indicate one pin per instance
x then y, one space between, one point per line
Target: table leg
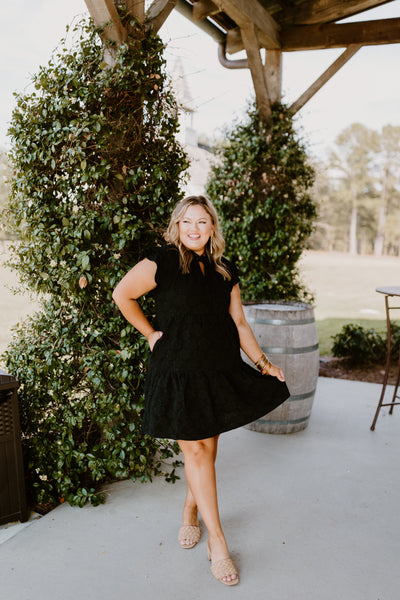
385 378
396 387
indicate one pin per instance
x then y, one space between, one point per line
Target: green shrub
261 188
96 172
395 341
363 346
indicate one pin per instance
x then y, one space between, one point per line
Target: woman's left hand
153 339
274 371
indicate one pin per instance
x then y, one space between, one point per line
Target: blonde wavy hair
215 246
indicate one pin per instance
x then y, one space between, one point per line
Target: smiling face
195 228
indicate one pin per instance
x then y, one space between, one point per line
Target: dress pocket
156 345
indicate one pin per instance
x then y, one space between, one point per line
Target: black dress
197 384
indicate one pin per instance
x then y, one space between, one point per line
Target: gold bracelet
267 365
263 362
260 359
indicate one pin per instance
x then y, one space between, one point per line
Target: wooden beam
158 12
273 74
104 11
329 35
252 47
234 42
186 10
135 8
246 14
313 12
332 35
330 72
203 9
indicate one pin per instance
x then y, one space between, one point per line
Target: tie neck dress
197 385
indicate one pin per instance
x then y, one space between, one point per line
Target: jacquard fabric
197 384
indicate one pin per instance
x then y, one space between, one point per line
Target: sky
365 90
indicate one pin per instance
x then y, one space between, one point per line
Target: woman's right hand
153 338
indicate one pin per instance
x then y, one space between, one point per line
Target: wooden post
136 9
251 45
273 75
104 11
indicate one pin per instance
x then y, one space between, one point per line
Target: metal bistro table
389 292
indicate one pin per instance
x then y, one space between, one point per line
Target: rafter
203 9
320 82
332 35
104 11
247 14
158 12
325 11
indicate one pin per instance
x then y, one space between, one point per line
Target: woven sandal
222 568
189 532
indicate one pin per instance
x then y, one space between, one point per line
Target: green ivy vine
261 187
96 171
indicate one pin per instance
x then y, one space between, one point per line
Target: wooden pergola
275 25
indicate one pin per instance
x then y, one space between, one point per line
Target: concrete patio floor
308 516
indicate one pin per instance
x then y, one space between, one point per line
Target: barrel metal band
287 422
256 321
299 350
302 396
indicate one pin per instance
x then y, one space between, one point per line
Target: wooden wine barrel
287 333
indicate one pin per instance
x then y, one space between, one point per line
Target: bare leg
190 516
200 474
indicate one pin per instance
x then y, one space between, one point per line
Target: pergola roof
276 25
289 25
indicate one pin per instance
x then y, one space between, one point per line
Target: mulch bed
340 368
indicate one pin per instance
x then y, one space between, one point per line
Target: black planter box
12 486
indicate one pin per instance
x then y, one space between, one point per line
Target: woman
197 385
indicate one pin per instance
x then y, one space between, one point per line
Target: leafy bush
362 346
96 172
261 189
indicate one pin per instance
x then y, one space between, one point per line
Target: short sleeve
153 254
231 266
167 260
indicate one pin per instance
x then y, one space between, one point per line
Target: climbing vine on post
261 188
96 172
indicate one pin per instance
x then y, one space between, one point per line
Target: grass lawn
343 286
344 289
13 307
